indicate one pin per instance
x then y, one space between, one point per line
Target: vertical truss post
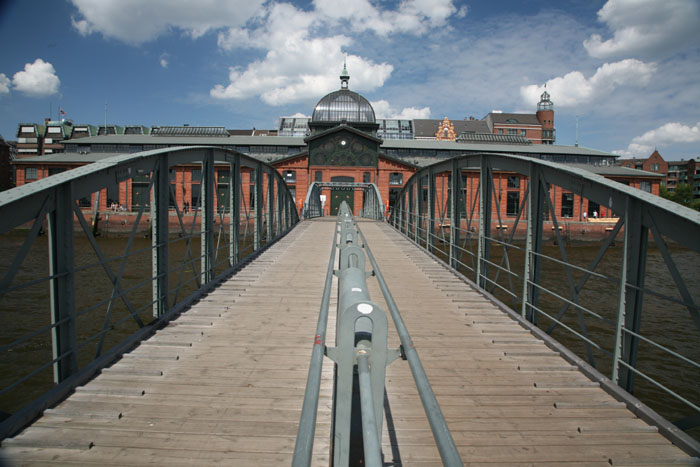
430 227
160 204
483 253
234 200
421 210
270 218
631 294
207 230
258 197
410 220
279 227
456 214
64 336
416 216
533 244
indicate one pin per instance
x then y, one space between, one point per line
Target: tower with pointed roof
545 115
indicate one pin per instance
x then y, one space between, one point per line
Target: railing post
430 227
485 184
64 336
258 196
533 244
631 295
160 206
207 236
456 214
279 226
234 202
416 216
270 218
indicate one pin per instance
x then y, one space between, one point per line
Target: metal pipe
441 433
307 421
370 437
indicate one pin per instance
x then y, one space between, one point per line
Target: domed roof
343 105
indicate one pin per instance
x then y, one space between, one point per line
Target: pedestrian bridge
245 372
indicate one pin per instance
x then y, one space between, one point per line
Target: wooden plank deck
224 383
507 397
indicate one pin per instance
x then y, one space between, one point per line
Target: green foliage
682 195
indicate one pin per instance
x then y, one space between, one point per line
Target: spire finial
344 76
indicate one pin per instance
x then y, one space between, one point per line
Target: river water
27 310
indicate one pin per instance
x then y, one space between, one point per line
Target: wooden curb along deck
224 383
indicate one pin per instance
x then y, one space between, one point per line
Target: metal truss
86 335
454 210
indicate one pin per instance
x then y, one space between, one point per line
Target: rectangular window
290 176
645 186
30 173
318 176
513 203
396 178
366 177
522 132
567 205
513 181
196 175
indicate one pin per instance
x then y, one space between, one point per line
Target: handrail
307 422
441 432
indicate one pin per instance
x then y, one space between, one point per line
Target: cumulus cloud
382 109
136 21
164 59
297 65
668 134
574 89
411 16
37 80
646 28
4 84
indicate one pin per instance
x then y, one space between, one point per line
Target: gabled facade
30 138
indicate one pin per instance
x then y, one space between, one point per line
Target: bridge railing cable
581 259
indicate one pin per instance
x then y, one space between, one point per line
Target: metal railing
455 210
372 206
361 356
102 294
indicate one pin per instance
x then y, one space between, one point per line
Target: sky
624 75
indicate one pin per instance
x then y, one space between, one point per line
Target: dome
343 105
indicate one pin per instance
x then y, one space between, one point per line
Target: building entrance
340 194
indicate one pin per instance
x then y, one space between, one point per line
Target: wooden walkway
224 383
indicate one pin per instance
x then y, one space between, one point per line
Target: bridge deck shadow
224 383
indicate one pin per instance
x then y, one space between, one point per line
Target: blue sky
627 70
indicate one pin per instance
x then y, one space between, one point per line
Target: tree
682 195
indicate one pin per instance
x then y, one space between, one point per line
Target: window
366 177
30 173
223 176
396 178
512 203
513 181
567 205
512 131
290 176
645 186
522 132
318 176
196 175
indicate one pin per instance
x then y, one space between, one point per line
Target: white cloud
4 84
37 80
646 28
665 135
136 21
382 109
574 89
164 59
296 66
